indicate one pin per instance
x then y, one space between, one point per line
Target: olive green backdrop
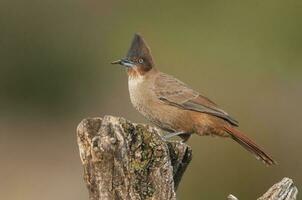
54 71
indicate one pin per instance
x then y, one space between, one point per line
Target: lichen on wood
123 160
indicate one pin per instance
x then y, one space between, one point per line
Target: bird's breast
136 93
142 96
144 99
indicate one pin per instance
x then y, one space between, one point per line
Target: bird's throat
134 72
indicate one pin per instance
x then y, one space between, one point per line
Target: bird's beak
125 62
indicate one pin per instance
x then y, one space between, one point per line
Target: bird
174 107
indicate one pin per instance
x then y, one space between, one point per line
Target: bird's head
138 60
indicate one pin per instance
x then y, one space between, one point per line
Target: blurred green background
55 71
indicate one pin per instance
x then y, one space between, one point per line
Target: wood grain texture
283 190
123 160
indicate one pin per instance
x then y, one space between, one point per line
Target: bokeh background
55 71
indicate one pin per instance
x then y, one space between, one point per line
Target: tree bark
128 161
284 190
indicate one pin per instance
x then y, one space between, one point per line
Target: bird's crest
140 49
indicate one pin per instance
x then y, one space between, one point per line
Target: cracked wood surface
123 160
283 190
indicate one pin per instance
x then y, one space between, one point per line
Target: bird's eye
140 60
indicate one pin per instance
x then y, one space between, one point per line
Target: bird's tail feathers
250 145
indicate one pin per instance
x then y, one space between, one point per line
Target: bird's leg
184 135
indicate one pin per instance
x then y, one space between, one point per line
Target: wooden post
127 161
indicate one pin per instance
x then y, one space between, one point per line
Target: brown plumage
175 107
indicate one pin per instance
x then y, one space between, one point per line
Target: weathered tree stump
284 190
127 161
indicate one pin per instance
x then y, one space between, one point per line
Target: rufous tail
250 145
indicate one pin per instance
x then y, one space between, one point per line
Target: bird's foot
185 136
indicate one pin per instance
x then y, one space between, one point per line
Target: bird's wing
176 93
